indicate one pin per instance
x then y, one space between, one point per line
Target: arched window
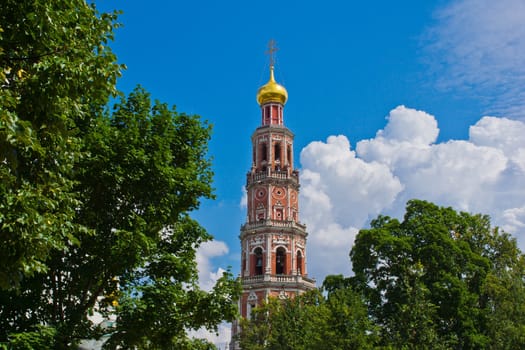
258 261
251 304
277 152
299 263
264 152
266 115
249 310
280 261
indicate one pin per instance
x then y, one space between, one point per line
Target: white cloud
501 133
342 189
454 175
338 193
243 204
221 339
405 141
478 46
207 251
514 219
208 276
352 182
328 249
413 126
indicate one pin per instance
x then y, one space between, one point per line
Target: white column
292 255
269 202
255 146
270 150
288 204
268 253
247 257
248 310
304 260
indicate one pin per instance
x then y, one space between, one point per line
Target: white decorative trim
257 241
284 240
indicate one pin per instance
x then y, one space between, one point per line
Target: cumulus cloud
514 219
410 125
243 204
478 46
339 192
207 251
342 189
221 338
501 133
208 276
449 173
352 181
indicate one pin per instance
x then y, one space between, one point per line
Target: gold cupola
272 91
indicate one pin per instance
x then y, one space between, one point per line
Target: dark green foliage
54 71
437 280
94 206
433 280
42 338
310 321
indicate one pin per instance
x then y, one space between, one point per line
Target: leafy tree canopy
438 279
310 321
94 205
441 279
55 72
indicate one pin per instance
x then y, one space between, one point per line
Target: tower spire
272 48
272 91
273 240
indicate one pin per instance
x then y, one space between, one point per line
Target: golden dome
271 91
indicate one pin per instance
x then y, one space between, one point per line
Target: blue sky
349 68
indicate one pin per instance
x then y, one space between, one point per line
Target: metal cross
272 48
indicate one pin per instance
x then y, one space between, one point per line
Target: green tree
282 324
338 320
94 205
348 325
42 338
440 278
504 288
55 70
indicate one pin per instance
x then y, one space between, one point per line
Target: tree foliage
310 321
439 279
94 205
55 69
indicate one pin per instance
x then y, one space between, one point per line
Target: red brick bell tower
273 241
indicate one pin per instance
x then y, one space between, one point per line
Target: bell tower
273 241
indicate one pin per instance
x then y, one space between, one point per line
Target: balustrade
274 223
272 174
285 279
